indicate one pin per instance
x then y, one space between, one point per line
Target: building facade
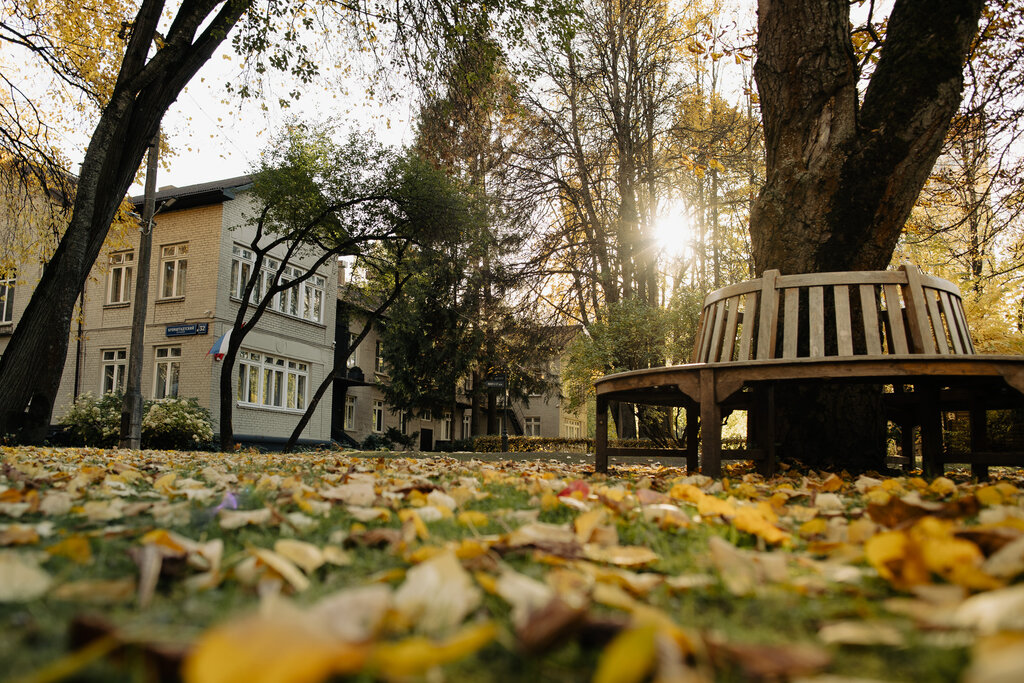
201 259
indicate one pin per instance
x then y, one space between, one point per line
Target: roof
200 194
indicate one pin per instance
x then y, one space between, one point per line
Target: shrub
176 423
95 422
373 442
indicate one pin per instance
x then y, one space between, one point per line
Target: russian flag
220 347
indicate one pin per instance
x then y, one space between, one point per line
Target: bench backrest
819 315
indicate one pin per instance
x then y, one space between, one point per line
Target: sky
213 135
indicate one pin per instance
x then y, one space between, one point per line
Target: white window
168 370
351 362
467 423
378 359
119 280
271 381
350 412
173 269
378 416
304 300
403 421
115 362
425 416
532 426
573 429
446 427
241 268
7 282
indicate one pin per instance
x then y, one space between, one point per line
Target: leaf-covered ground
155 565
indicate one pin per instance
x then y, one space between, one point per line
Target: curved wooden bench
896 327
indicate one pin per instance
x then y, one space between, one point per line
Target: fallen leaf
860 633
21 578
307 556
417 655
236 519
437 594
628 658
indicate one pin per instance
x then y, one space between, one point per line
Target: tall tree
843 171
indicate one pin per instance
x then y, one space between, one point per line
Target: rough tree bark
843 174
33 362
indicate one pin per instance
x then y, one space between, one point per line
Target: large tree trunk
33 362
842 176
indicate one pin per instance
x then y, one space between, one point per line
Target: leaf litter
296 568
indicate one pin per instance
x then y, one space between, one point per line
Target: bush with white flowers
95 421
176 423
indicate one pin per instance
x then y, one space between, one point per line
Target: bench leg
710 427
692 431
601 437
979 441
764 428
907 444
931 433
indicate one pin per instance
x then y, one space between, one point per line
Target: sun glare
673 230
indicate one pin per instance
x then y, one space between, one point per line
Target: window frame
378 358
303 301
8 284
531 426
122 267
377 417
272 382
119 363
350 412
177 256
172 361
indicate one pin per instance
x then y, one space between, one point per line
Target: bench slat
958 312
951 322
869 309
705 336
749 314
766 334
895 314
816 321
917 315
790 322
936 320
873 277
844 337
716 337
729 341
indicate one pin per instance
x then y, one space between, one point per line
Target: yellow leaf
409 516
816 527
943 486
897 559
753 522
709 506
629 657
417 655
473 518
163 483
307 556
283 566
988 495
265 650
587 522
75 548
622 555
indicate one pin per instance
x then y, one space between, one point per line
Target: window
119 281
303 300
168 369
573 429
403 421
7 297
241 268
446 427
532 426
115 362
425 416
351 362
467 424
271 381
378 416
378 360
350 412
173 269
